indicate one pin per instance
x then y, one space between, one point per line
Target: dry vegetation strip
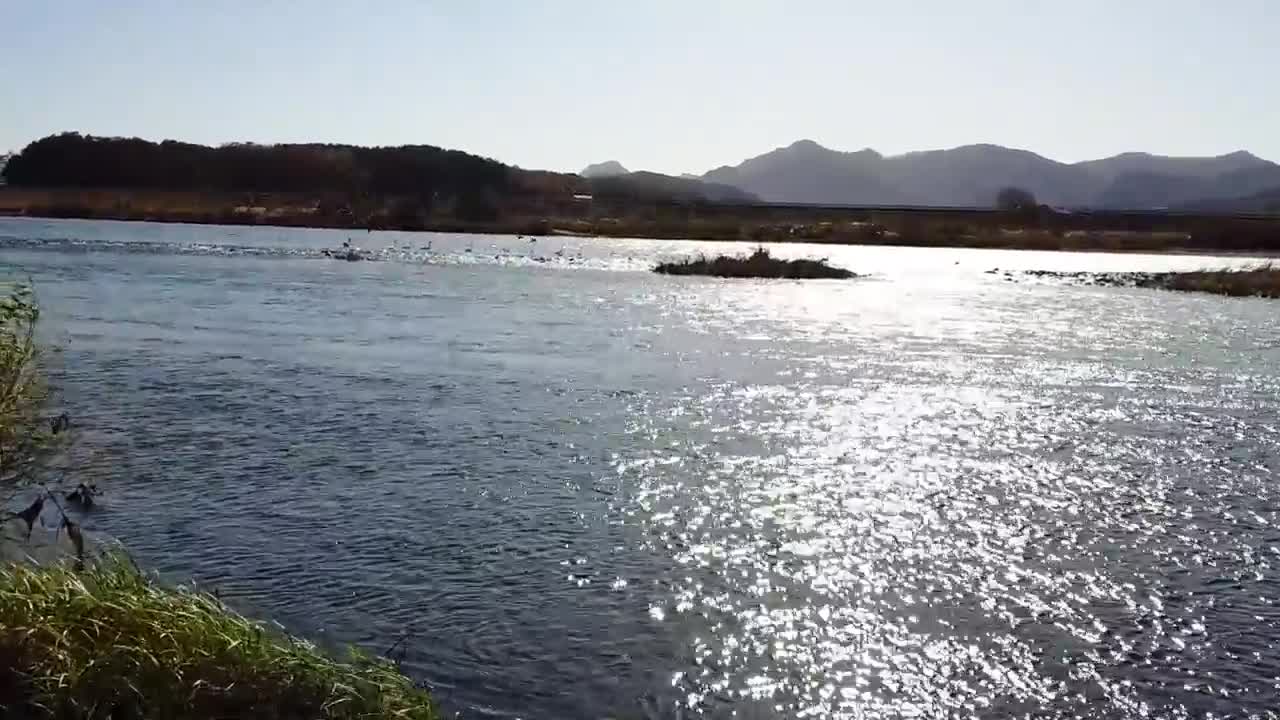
1261 281
1258 281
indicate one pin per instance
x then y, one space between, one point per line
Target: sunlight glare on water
584 490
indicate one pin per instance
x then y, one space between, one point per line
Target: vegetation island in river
759 264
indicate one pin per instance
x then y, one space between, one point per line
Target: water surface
582 490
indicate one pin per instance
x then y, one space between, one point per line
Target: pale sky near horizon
666 85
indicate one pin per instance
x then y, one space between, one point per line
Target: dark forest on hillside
75 160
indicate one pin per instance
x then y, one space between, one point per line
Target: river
576 489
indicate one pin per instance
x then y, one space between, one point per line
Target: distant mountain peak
801 148
1239 157
814 147
608 168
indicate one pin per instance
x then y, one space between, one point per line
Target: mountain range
971 176
612 177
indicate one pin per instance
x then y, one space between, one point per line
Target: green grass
25 437
759 264
107 643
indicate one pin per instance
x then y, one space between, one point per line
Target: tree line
72 160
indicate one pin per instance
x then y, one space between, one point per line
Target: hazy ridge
971 175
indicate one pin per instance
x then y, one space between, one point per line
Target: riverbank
1259 281
87 635
921 227
105 641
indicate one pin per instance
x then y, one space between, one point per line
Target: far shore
1192 235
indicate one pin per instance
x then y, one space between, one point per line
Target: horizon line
578 171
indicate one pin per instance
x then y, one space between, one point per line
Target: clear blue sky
667 85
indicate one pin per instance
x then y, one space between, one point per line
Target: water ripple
607 493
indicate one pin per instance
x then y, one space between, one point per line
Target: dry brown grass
906 227
1259 281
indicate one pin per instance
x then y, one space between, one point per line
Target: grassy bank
260 209
83 640
107 643
759 264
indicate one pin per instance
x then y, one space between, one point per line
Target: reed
106 642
